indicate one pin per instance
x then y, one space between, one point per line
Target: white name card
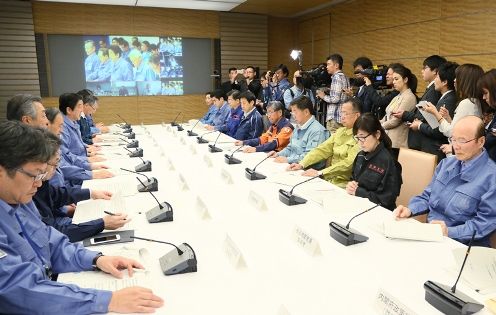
143 125
174 132
202 209
163 124
168 128
169 163
305 241
192 148
283 310
387 304
181 139
225 175
257 201
233 253
207 160
184 184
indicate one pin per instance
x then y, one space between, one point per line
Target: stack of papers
412 229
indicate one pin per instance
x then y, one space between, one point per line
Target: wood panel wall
83 19
404 31
282 39
18 64
243 43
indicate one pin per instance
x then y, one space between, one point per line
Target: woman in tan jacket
405 83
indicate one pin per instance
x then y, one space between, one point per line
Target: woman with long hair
487 84
405 82
376 174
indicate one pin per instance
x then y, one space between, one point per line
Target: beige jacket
395 128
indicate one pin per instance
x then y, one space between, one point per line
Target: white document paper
480 269
126 185
412 229
431 119
94 209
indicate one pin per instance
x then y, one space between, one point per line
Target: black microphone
131 144
213 148
347 236
136 153
126 125
180 260
179 126
145 167
151 184
289 199
161 213
201 140
252 175
229 159
130 135
190 132
446 299
173 123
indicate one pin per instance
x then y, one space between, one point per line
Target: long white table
215 210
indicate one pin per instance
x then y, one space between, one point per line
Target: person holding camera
295 91
336 96
363 94
277 83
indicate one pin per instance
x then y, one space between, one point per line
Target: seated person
251 124
212 109
223 110
308 135
462 193
32 251
49 199
84 125
277 136
376 174
340 149
231 125
99 127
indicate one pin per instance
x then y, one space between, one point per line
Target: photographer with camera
277 83
300 87
336 96
363 94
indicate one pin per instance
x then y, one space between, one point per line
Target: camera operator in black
379 103
376 174
365 95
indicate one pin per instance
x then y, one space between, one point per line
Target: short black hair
283 68
302 102
22 105
68 100
208 93
116 49
364 62
248 95
21 144
356 104
434 62
336 58
447 72
218 94
232 69
52 113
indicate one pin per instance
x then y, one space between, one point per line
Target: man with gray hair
276 137
27 109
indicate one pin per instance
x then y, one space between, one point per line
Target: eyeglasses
269 113
361 139
35 178
460 141
54 164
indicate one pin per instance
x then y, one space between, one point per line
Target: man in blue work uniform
104 70
251 124
31 252
122 70
462 193
223 110
92 62
232 123
212 109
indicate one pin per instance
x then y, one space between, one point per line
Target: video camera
319 75
376 74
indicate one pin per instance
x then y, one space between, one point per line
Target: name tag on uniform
2 254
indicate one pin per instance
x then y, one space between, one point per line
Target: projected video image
119 65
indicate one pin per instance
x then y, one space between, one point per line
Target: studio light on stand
297 55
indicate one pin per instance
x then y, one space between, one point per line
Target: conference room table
258 256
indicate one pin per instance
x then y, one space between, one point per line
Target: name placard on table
233 253
257 201
202 209
305 241
387 304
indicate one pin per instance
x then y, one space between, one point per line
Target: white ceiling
214 5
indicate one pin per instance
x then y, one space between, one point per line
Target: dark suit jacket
414 137
226 87
379 103
255 87
432 139
490 144
367 97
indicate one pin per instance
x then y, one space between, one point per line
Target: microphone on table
252 175
213 148
126 125
201 140
173 123
145 167
130 135
229 159
180 260
446 299
289 199
131 144
136 153
347 236
179 126
190 132
151 184
161 213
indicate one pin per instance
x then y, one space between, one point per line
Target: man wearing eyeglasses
31 252
462 193
89 102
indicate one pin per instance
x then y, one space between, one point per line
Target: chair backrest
417 170
492 240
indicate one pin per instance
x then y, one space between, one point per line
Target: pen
108 212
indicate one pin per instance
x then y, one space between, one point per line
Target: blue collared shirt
73 148
103 72
220 117
85 129
94 129
304 139
24 285
232 122
209 116
250 126
91 65
276 92
70 175
121 70
462 197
